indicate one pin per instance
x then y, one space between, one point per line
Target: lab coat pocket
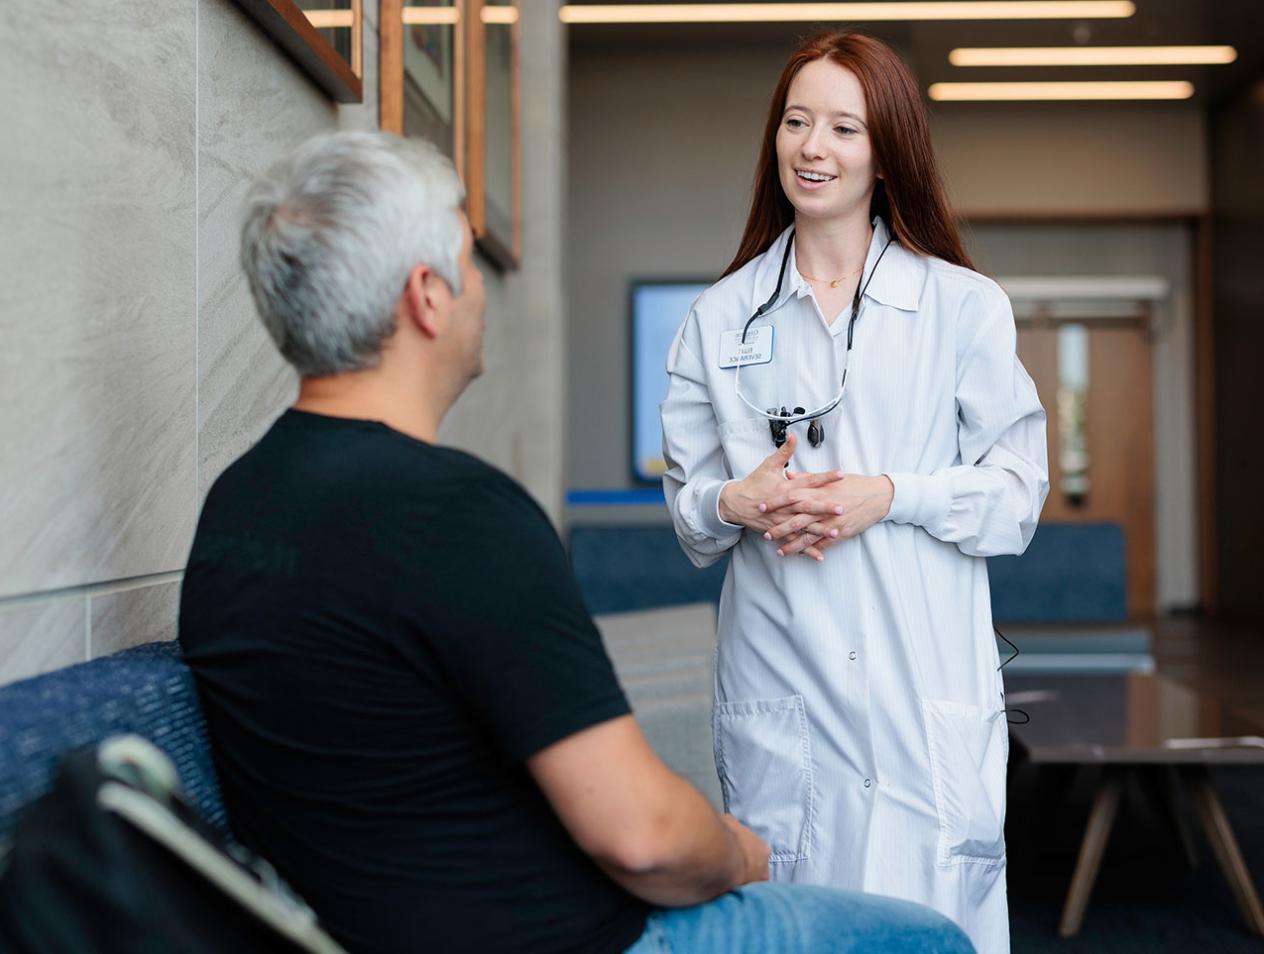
967 762
746 442
763 755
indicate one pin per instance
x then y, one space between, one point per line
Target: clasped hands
805 513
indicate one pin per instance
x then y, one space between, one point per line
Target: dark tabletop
1139 717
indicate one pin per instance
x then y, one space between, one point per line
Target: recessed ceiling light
1093 56
807 12
978 92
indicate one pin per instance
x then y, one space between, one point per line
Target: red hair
909 196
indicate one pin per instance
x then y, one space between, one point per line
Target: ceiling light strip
981 92
624 13
1093 56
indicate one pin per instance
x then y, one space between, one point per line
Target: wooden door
1117 438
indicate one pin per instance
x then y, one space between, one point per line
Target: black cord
1022 712
861 288
785 420
1008 643
781 277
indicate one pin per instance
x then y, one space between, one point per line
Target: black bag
112 860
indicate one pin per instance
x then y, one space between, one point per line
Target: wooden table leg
1101 819
1225 847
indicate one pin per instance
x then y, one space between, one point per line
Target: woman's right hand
740 499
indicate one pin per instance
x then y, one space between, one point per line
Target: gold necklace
833 282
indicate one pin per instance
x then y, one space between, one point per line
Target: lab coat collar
796 284
897 282
899 278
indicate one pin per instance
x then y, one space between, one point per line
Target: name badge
756 350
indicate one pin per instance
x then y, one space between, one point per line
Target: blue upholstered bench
1071 573
147 690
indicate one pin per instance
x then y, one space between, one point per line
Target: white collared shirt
891 635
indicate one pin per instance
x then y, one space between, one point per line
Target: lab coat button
851 655
868 783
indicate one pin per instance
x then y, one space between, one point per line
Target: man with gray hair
410 710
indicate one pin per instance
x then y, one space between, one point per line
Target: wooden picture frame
296 32
466 99
421 70
493 169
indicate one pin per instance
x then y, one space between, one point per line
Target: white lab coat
859 724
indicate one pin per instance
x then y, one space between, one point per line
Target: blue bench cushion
621 569
147 690
1070 573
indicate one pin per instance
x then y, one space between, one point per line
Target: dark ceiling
926 44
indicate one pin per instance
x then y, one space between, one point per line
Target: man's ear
419 301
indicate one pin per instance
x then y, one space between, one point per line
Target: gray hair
331 234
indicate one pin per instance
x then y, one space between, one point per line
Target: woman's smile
812 179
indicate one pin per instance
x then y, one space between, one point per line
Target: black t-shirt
381 631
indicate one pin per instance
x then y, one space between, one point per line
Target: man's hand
740 500
810 520
644 825
755 851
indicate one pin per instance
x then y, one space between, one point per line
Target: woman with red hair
847 415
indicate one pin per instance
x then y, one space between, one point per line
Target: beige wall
662 147
1131 159
133 369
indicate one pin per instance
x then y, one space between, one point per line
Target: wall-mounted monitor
658 309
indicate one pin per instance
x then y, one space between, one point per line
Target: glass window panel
1073 461
430 71
499 129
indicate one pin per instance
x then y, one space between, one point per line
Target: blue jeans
800 919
